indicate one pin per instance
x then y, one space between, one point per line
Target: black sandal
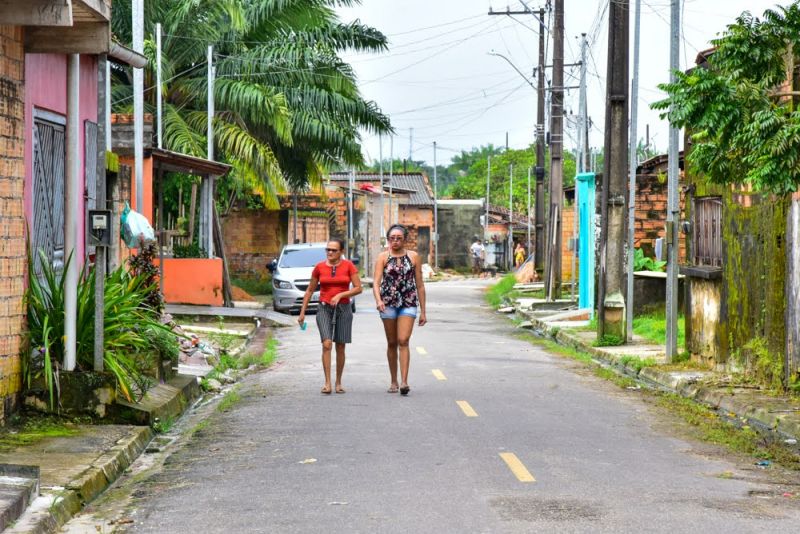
404 390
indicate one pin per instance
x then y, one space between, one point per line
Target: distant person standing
334 276
400 298
519 255
478 254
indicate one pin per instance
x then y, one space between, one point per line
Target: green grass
165 425
653 327
231 399
254 286
713 429
503 288
226 361
637 364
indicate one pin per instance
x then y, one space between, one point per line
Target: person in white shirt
478 254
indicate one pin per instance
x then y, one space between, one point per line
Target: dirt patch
240 294
533 509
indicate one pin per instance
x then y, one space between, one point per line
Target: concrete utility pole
100 203
488 180
435 214
72 191
541 240
159 112
137 27
611 316
583 132
380 167
528 250
510 216
553 267
672 196
633 164
210 151
391 177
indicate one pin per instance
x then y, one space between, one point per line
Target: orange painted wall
193 281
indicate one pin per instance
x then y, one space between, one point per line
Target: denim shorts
393 312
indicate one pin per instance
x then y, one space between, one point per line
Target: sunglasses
331 250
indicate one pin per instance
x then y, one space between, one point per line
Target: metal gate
49 154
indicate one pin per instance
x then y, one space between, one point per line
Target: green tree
744 125
472 184
287 106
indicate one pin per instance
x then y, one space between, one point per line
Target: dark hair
397 227
337 240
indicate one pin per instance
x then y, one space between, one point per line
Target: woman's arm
420 288
377 278
312 286
352 292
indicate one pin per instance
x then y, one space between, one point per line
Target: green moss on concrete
32 430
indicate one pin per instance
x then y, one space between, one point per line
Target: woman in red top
335 315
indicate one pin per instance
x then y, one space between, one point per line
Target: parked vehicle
291 274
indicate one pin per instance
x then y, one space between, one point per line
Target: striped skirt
335 323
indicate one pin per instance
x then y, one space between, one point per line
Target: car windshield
304 257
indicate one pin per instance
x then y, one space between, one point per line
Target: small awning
168 161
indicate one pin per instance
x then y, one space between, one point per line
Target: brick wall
252 239
12 225
651 214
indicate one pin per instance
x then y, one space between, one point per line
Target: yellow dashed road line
438 374
516 466
421 350
467 409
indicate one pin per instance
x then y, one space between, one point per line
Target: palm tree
287 106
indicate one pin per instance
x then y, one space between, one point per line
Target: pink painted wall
46 89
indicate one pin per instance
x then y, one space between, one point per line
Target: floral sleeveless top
399 286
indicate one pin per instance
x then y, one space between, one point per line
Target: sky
439 77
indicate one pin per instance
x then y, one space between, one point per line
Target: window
707 232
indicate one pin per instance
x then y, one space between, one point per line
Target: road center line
517 467
421 350
467 409
438 374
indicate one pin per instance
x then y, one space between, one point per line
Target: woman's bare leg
405 325
327 345
390 327
339 366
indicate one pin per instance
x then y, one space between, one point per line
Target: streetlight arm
493 53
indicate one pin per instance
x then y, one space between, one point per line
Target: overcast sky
439 78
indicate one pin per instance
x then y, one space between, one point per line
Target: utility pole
435 214
137 27
510 216
528 250
391 177
488 180
553 267
380 156
583 133
611 302
672 196
541 240
209 183
159 112
410 144
633 164
541 232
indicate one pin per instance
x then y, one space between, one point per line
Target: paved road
551 448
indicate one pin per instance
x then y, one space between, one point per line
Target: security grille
48 193
707 245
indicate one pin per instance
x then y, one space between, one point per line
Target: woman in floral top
400 296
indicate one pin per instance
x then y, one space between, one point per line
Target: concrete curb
56 506
686 385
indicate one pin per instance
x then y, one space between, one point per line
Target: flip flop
325 390
404 390
392 389
340 389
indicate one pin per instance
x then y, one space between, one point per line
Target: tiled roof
412 181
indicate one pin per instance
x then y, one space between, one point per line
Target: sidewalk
777 414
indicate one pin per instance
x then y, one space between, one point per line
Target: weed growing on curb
231 399
163 426
496 293
637 364
608 340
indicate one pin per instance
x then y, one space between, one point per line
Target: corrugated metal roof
412 181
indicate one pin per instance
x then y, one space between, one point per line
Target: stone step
162 402
19 486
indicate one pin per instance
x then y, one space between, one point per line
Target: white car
291 274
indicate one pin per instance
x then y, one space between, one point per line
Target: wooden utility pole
611 302
553 267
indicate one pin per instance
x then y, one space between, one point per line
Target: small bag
136 229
